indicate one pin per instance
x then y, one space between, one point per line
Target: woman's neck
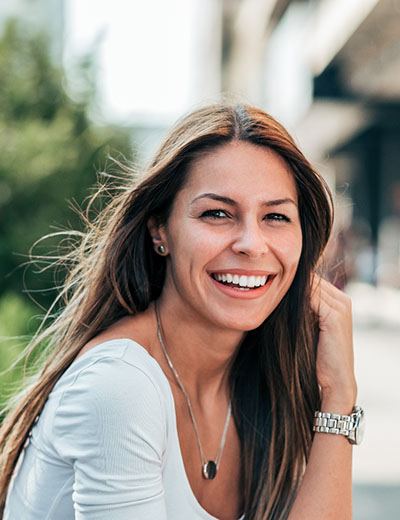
201 354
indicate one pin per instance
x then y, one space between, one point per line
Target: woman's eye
278 217
214 213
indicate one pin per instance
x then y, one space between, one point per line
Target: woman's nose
250 240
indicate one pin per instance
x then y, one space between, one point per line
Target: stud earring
161 249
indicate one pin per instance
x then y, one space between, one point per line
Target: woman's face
233 237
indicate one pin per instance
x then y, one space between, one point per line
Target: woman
195 346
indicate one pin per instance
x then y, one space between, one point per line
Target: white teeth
258 281
243 280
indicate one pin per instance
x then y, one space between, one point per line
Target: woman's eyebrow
231 202
214 196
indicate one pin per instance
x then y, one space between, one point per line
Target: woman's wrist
339 400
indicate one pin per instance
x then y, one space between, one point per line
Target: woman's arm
325 491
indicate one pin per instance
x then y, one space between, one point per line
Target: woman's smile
246 287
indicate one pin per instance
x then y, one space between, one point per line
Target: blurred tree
50 152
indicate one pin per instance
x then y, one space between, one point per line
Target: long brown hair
115 272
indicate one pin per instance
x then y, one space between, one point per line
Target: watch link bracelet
351 426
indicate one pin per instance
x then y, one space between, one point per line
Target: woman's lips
243 293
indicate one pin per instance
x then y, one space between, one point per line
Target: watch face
360 426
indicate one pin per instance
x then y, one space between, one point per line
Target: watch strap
327 422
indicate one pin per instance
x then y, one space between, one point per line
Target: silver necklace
209 467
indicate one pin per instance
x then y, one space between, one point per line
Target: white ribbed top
105 446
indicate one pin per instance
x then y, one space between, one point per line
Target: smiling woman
195 347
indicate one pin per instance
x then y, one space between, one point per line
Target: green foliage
15 327
50 152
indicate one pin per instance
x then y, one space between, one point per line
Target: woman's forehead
241 168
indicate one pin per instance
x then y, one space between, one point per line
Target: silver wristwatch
351 426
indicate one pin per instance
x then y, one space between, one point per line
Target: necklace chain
181 386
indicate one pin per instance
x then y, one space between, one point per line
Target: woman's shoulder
117 361
115 385
124 342
133 328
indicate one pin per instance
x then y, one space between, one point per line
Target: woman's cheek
289 247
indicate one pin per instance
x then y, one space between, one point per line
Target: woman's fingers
335 349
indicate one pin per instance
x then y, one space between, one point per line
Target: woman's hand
335 359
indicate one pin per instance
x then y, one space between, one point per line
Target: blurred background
84 80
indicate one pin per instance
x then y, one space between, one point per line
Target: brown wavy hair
113 271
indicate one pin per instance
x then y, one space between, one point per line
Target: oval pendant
209 469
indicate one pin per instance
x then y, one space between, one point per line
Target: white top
105 445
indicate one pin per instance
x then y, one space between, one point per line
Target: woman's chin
240 324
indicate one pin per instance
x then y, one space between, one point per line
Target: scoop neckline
195 503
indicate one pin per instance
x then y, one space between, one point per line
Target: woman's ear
158 236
